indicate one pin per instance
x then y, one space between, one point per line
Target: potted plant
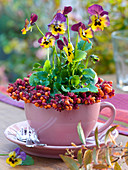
65 91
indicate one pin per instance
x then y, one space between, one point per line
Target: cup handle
109 121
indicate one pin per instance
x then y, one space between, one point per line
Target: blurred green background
19 52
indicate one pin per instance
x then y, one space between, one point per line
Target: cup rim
116 36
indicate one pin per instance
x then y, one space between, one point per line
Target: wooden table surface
10 115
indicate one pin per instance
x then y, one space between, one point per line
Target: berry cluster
40 95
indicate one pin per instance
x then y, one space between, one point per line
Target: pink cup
60 128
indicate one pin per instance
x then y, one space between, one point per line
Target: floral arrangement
18 157
65 81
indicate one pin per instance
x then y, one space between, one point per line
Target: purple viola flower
47 41
98 18
75 27
60 44
84 32
33 18
16 157
58 25
28 24
67 47
67 9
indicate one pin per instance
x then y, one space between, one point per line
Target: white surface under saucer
51 151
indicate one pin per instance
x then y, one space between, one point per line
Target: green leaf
32 79
95 155
80 90
36 65
108 161
81 133
64 89
92 88
87 157
89 71
88 45
79 156
117 166
70 162
75 80
96 137
28 161
47 66
79 55
107 133
44 83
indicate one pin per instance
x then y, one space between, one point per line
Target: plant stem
58 60
76 43
53 62
48 54
60 57
3 154
68 30
83 46
39 29
87 60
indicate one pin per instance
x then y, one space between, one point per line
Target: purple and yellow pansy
28 24
58 25
84 32
67 47
98 18
48 40
16 157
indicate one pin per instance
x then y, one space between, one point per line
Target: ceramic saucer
51 151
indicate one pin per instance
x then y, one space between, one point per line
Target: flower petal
22 155
104 13
60 17
75 27
95 9
17 151
33 18
40 40
65 41
60 44
67 9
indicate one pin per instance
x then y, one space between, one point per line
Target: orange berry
67 107
46 94
41 98
28 101
67 102
24 98
45 106
54 105
105 97
38 94
48 106
46 88
70 107
86 102
78 100
43 101
97 101
36 104
10 90
71 100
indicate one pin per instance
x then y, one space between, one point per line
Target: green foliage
99 157
28 161
87 46
81 133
